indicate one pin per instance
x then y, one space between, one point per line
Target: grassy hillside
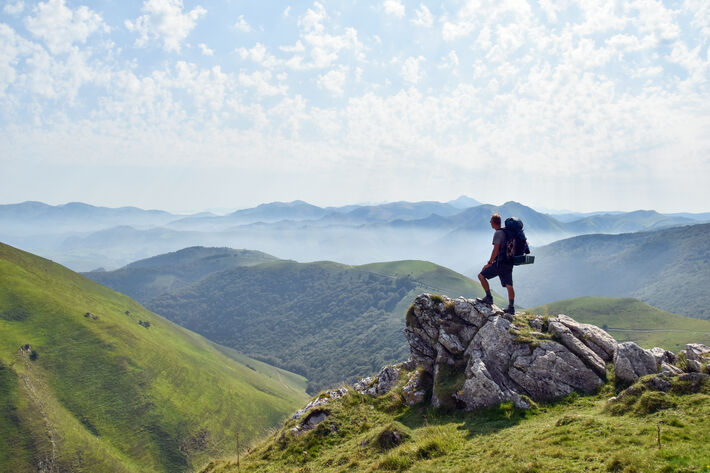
151 277
327 321
633 320
580 433
105 385
669 269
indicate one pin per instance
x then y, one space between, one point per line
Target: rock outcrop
469 355
478 356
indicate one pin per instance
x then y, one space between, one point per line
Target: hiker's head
495 221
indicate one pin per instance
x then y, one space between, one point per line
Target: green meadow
105 385
576 434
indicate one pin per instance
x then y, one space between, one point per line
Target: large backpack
515 245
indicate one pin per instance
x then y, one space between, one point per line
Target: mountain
145 279
665 268
91 381
37 217
484 391
385 213
629 319
464 202
626 222
326 321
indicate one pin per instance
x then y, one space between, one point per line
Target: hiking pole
238 469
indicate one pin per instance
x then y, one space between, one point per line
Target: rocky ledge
468 355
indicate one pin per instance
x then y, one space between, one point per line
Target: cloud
261 82
334 80
410 69
424 17
165 21
60 27
394 7
258 54
450 61
286 12
205 50
14 8
242 25
317 48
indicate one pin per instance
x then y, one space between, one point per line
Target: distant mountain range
669 269
92 381
86 237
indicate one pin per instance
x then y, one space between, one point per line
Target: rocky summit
469 355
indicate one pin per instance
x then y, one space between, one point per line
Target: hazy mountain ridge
433 231
665 268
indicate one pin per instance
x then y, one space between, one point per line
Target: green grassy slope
327 321
104 393
150 277
669 269
578 434
633 320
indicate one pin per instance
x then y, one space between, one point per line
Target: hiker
497 267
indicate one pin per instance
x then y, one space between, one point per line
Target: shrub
653 401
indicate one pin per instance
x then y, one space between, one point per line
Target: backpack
515 245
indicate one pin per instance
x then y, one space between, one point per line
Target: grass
632 320
107 394
576 434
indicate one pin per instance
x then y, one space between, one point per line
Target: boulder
697 357
663 356
592 336
632 362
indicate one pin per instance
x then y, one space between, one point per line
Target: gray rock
415 390
321 400
595 338
668 369
697 357
387 379
479 390
572 343
552 371
632 362
663 356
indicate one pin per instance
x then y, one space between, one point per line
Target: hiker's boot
485 300
510 310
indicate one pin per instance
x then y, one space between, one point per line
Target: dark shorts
504 272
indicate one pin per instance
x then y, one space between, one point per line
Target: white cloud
165 21
424 17
394 7
450 61
12 48
410 69
60 27
261 82
323 48
14 8
258 54
334 80
205 50
287 11
242 25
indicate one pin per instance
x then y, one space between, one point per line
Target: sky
191 105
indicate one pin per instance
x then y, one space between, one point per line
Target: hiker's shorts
504 272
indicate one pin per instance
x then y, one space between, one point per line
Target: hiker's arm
494 255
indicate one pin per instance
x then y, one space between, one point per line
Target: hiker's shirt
499 239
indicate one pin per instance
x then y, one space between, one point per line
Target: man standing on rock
496 267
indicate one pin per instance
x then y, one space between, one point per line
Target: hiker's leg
511 292
484 282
